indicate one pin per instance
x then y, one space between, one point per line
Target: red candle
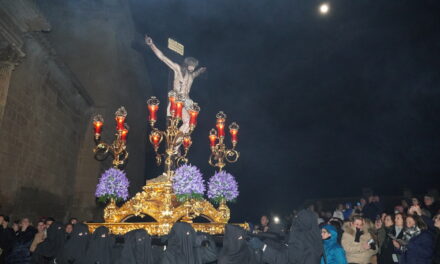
187 142
98 127
212 137
221 129
179 107
153 110
120 116
120 122
124 134
193 117
172 99
155 139
233 130
98 123
221 119
153 106
193 114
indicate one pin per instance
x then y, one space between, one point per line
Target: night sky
326 104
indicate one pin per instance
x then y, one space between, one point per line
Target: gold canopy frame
158 201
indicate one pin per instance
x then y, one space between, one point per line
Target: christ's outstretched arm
199 71
174 66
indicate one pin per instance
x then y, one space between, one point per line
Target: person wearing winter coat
417 246
436 257
20 253
357 241
333 252
390 230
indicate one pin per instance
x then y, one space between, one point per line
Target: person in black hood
235 248
51 248
181 247
100 247
207 248
304 245
74 251
137 248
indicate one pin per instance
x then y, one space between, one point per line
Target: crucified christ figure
184 76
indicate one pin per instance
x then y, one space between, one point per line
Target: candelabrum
220 154
178 132
117 149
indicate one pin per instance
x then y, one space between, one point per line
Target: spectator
358 208
417 246
383 216
357 241
373 209
362 203
264 224
348 211
49 221
338 213
386 247
436 258
16 227
379 231
336 223
333 252
399 225
415 201
398 209
378 204
7 237
431 205
68 229
20 250
39 236
73 221
405 204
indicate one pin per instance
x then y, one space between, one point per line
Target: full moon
324 8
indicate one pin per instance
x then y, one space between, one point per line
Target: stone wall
54 83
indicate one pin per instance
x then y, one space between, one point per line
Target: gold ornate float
157 199
159 202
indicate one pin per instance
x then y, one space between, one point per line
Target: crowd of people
362 234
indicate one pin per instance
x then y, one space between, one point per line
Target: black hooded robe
75 248
52 246
304 245
100 247
207 248
137 248
181 247
235 249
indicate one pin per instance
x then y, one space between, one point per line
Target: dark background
326 104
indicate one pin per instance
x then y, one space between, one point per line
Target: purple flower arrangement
112 184
188 183
222 186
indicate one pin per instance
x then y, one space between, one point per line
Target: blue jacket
333 252
420 249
